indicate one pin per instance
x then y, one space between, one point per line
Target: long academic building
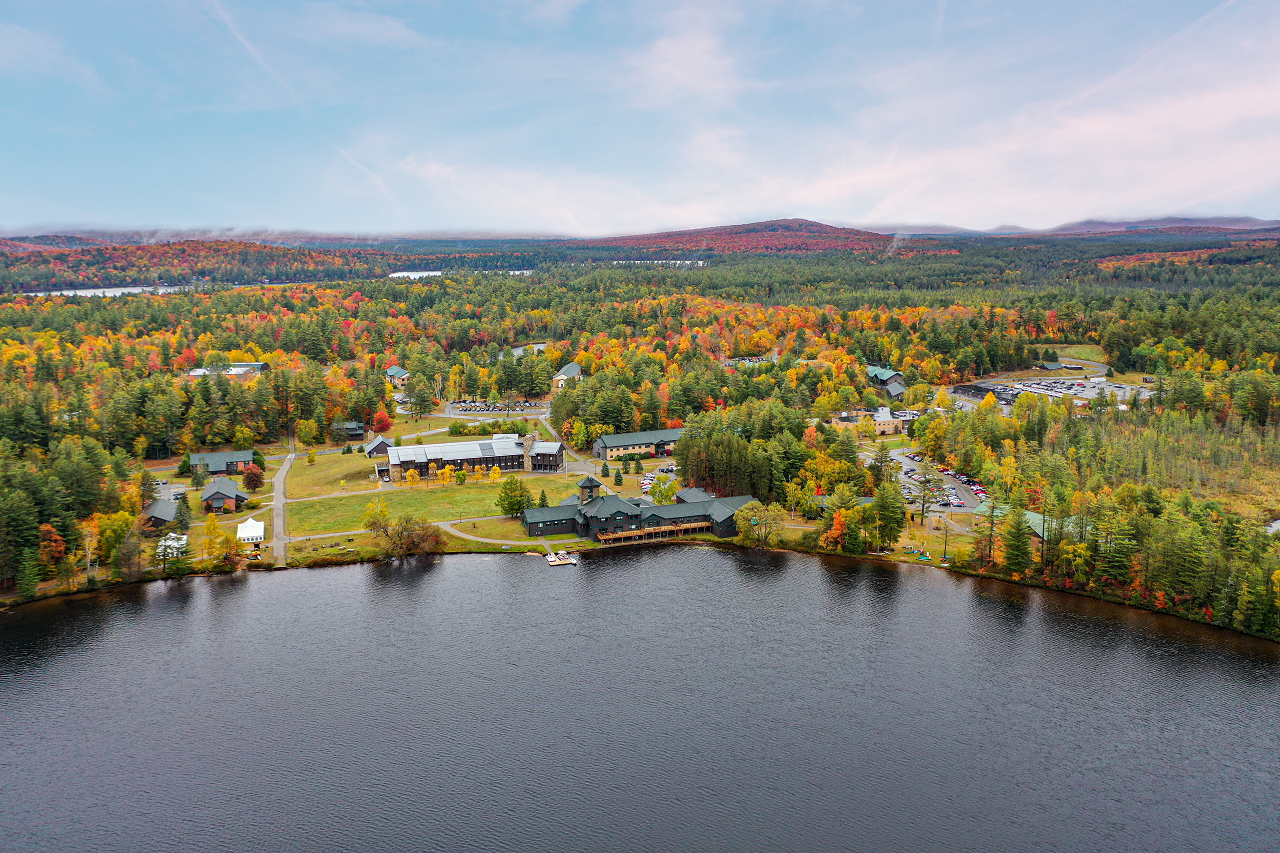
653 442
508 452
612 520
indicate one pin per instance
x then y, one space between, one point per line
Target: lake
673 698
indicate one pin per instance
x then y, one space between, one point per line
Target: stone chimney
528 451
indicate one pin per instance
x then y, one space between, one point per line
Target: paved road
279 541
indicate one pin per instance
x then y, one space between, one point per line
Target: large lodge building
508 452
612 520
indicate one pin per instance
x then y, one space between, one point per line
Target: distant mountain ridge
775 235
1224 223
1168 225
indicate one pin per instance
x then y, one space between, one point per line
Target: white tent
250 530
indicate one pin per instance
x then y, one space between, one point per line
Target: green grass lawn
444 438
406 424
496 528
895 442
363 547
932 543
434 503
1089 352
275 448
334 472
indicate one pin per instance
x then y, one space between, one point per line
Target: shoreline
334 561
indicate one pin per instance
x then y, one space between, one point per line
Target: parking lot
646 482
480 407
957 492
1082 388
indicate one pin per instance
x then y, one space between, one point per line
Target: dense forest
186 262
1161 502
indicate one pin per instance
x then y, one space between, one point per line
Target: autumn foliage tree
252 477
833 539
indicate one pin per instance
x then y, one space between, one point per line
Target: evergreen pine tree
148 487
604 469
1017 543
617 478
181 564
28 580
846 448
184 465
542 498
182 517
890 513
883 462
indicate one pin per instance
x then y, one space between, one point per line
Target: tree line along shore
772 366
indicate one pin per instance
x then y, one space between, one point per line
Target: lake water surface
659 699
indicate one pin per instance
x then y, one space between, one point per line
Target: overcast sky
580 117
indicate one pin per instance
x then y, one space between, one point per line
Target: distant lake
107 291
425 273
161 288
668 699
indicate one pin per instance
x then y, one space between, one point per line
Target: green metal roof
651 436
883 374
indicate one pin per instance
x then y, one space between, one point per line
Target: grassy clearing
894 443
1088 352
406 424
357 549
931 541
496 528
458 545
630 487
434 503
507 528
1131 379
275 448
443 438
1045 374
332 473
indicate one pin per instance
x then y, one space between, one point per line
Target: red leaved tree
253 478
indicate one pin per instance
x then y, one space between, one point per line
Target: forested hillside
183 263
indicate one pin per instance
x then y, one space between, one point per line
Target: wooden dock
650 534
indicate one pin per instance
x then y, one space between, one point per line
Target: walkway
279 541
448 527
